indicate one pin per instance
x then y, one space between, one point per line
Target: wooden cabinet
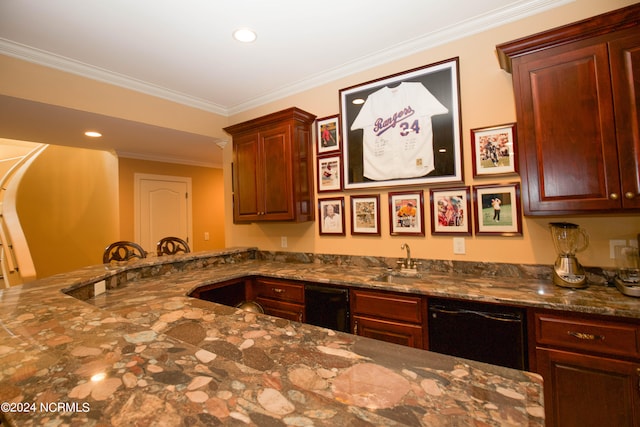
281 298
591 369
230 292
391 317
273 168
577 91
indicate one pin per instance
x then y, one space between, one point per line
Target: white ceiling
182 50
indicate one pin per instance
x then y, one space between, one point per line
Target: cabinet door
389 331
247 204
585 391
625 71
566 128
284 310
277 178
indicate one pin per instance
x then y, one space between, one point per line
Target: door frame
137 178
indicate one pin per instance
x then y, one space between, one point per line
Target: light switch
458 246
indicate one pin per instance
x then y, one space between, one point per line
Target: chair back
123 251
171 246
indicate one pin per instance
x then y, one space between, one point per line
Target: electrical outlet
206 235
612 247
99 288
459 246
283 241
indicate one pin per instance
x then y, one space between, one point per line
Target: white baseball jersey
397 132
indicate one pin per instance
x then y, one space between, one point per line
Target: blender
568 239
628 270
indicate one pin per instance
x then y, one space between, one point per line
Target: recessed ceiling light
358 101
245 35
93 134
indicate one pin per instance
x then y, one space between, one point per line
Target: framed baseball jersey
403 129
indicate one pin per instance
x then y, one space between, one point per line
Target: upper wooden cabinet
273 167
577 91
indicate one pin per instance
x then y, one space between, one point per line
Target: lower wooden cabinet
591 369
390 317
281 298
583 390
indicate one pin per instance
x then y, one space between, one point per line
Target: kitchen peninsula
144 353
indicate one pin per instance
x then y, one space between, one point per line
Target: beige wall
486 99
68 207
207 199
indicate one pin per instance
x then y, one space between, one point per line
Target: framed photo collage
404 130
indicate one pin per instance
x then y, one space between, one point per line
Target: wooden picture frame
494 150
331 216
328 134
403 129
502 218
406 213
329 174
365 215
450 211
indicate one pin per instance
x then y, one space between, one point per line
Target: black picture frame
427 92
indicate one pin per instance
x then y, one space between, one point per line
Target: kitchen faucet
408 263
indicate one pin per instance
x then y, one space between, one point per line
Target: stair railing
16 261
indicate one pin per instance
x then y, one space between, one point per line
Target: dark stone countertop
144 353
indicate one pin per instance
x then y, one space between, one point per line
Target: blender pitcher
568 240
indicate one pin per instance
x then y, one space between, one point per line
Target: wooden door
247 186
275 143
625 70
163 208
389 331
589 391
566 128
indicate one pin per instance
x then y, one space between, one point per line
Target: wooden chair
171 246
123 251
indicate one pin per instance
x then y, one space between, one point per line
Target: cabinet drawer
389 306
615 338
279 290
284 310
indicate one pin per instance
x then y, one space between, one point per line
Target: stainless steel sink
398 278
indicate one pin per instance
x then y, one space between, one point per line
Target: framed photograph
497 210
494 150
403 129
365 215
450 211
406 213
328 134
329 174
331 214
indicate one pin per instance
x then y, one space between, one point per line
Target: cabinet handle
629 195
300 317
355 327
585 336
614 196
278 290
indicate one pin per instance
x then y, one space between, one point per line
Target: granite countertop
146 354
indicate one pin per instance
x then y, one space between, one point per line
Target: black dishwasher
488 333
327 306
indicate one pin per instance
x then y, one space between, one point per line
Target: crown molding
470 27
58 62
163 159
